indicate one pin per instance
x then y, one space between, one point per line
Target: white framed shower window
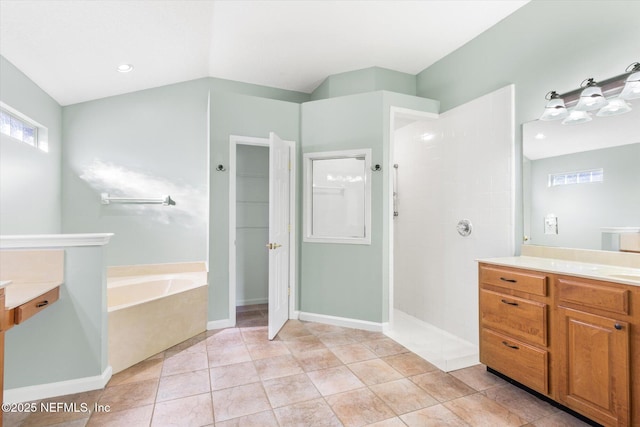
337 197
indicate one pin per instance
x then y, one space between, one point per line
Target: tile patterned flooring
311 375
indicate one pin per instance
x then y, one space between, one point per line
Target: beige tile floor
311 375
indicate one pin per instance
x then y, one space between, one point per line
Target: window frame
308 159
596 172
40 133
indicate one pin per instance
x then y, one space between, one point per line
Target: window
579 177
18 127
337 197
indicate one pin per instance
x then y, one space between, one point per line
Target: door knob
272 246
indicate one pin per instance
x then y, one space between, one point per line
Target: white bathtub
152 309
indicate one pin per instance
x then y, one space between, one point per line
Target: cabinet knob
618 326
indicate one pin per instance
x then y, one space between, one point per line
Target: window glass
19 129
579 177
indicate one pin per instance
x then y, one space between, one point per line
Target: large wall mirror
337 197
581 183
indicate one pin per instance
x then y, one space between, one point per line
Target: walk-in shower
453 203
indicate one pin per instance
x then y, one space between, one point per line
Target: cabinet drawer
28 309
515 359
517 317
519 280
613 299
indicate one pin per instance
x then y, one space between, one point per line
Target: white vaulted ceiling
71 48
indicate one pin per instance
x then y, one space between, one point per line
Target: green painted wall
69 339
222 85
543 46
142 144
345 280
29 178
159 137
236 114
340 279
363 81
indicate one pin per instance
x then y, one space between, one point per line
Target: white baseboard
61 388
243 302
294 315
341 321
219 324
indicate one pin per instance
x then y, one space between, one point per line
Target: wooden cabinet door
594 366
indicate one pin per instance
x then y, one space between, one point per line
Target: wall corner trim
60 388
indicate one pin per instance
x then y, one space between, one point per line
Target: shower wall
459 166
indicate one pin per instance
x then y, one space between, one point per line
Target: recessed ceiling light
125 68
540 135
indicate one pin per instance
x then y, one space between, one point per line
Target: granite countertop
609 273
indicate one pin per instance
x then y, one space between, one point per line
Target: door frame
234 141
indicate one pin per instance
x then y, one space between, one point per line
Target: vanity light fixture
631 88
591 98
614 107
555 108
608 97
576 117
125 68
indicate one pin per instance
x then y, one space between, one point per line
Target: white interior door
278 246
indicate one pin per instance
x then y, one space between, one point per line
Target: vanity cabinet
514 325
572 339
593 349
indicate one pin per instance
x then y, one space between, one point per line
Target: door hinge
289 291
289 228
289 164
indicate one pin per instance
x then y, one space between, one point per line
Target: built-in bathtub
152 308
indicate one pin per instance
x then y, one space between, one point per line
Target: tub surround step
155 269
